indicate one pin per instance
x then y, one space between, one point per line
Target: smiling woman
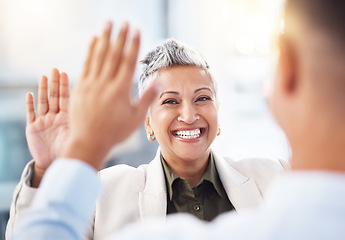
184 120
186 175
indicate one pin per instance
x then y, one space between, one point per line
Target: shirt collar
210 175
170 177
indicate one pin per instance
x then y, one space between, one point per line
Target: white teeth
188 134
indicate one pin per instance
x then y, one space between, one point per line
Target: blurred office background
236 37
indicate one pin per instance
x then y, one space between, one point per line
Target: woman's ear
148 124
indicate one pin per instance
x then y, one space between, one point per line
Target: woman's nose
188 114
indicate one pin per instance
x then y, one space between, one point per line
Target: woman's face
184 116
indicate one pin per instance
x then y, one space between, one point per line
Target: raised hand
47 133
103 113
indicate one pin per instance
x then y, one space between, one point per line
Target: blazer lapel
153 199
242 191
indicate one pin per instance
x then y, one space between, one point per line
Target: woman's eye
170 101
203 98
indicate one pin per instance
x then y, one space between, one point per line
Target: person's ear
148 124
287 66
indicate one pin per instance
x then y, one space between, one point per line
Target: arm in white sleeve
22 198
64 203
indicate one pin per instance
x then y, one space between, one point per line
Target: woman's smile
189 134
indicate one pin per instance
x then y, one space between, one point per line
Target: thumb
146 99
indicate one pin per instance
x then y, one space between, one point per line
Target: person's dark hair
324 43
326 14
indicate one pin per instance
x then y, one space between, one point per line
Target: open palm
103 113
47 133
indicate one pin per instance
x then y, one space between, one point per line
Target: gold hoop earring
218 132
151 137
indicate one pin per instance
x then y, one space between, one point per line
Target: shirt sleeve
64 203
21 198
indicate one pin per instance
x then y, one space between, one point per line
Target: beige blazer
138 194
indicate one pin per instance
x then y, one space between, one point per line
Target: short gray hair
170 53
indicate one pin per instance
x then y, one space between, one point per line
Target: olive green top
206 200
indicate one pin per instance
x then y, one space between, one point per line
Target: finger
42 106
54 91
30 109
145 101
64 92
111 63
86 68
127 67
101 50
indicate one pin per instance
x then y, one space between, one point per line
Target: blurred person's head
184 116
308 99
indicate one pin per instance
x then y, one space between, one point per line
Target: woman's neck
191 170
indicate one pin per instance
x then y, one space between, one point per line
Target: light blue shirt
301 206
63 204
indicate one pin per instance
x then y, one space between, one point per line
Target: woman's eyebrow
177 93
169 92
203 88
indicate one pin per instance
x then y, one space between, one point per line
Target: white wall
37 35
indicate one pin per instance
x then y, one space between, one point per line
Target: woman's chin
192 154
